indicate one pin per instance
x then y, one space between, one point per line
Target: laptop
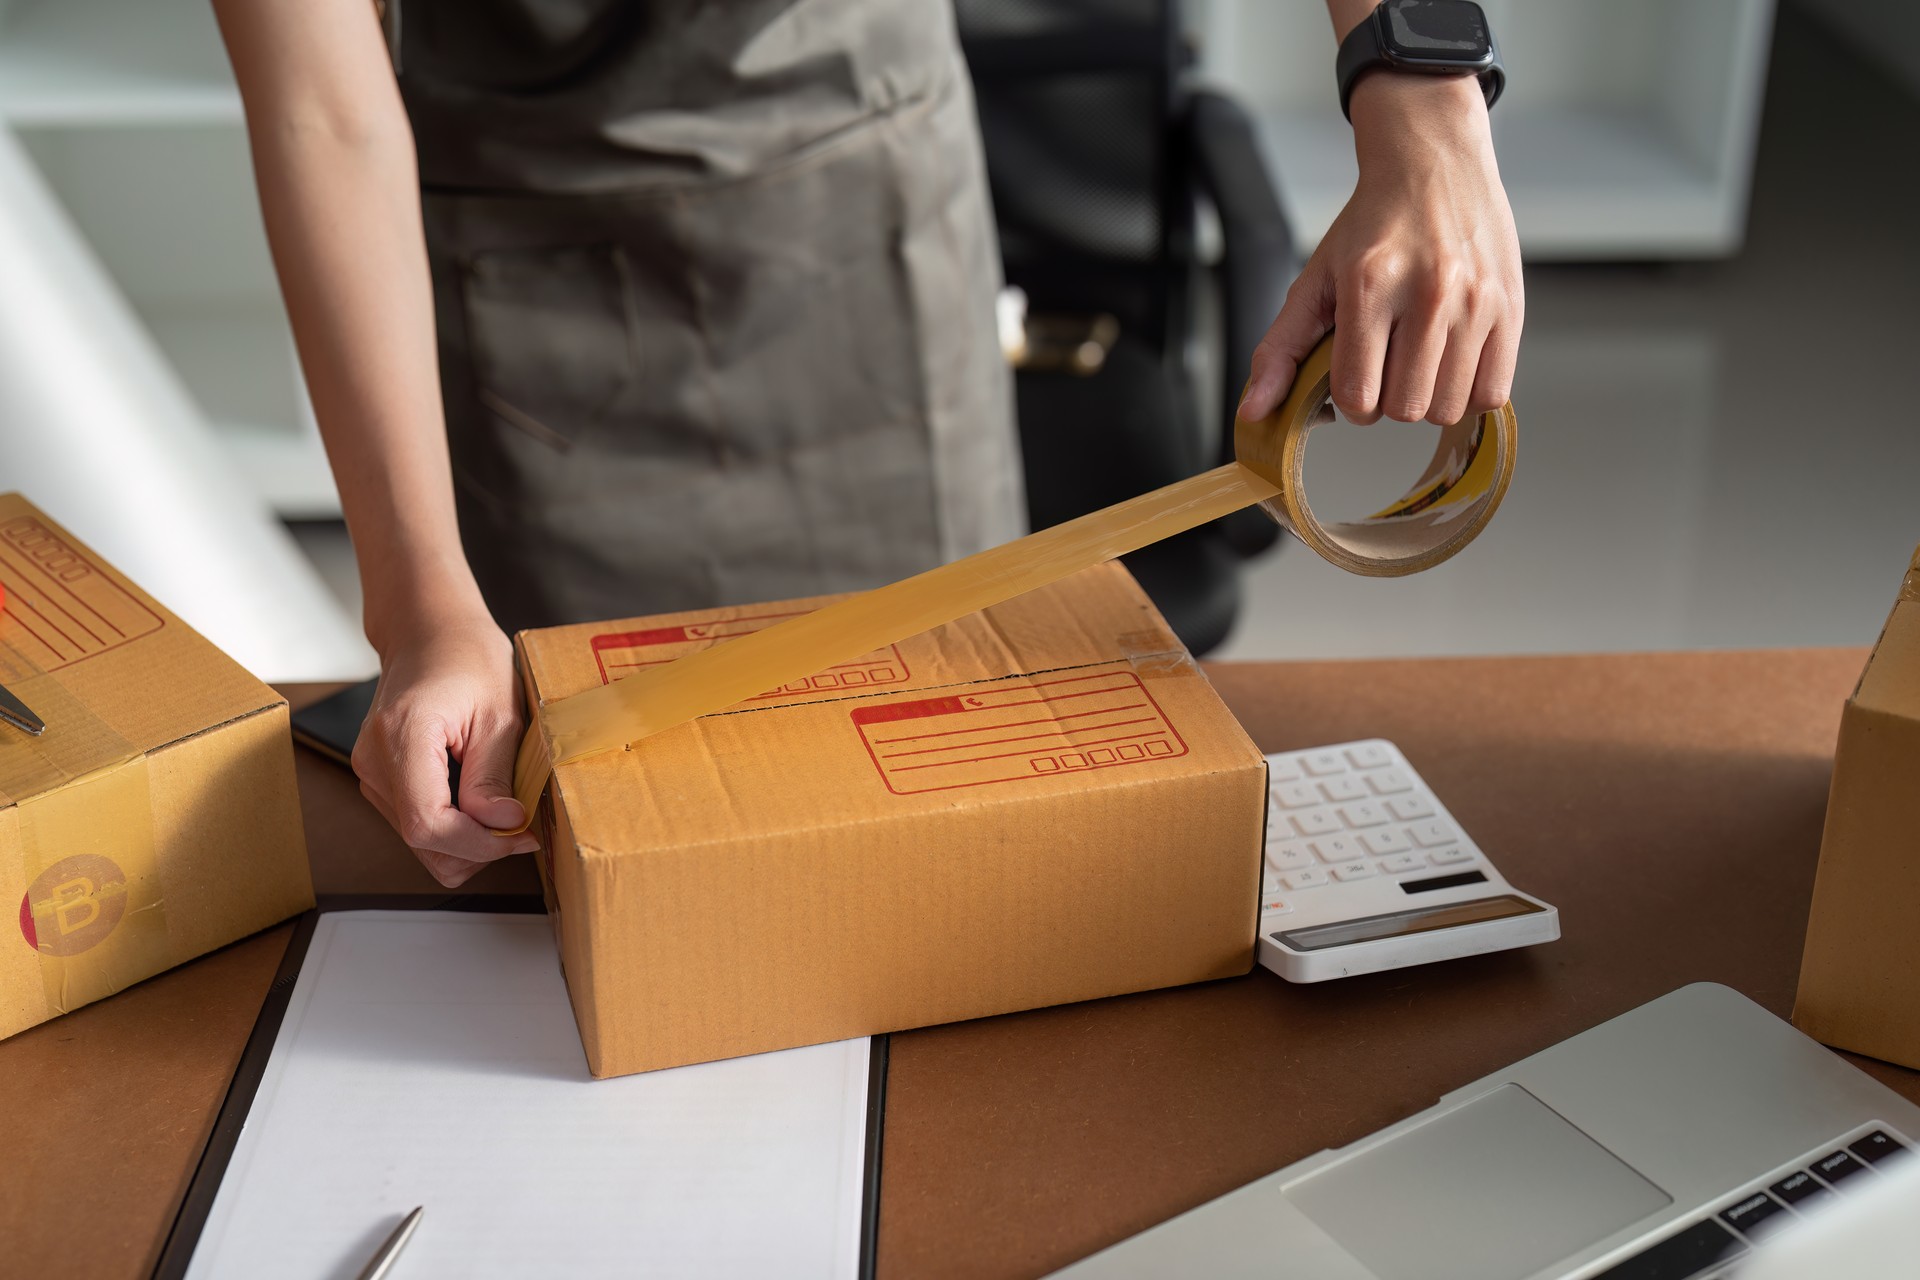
1666 1144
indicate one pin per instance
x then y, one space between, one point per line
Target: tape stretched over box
1446 509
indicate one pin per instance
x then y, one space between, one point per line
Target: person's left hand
1419 276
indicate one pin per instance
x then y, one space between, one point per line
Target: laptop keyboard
1705 1248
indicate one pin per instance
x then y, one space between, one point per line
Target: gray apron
715 289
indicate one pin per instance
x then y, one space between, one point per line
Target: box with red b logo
155 818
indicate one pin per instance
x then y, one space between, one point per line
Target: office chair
1097 154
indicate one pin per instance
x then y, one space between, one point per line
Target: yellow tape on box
1446 508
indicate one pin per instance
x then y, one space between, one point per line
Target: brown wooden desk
1670 805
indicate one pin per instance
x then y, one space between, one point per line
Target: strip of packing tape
93 908
1446 508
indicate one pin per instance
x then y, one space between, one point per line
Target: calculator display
1400 924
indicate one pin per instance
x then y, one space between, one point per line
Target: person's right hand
446 687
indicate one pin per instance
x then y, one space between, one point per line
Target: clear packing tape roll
1447 507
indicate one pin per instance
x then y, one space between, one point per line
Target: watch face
1437 30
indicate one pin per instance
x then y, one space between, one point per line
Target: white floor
1712 455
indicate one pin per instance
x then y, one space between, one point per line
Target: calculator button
1337 849
1800 1187
1369 755
1429 834
1311 878
1756 1217
1337 789
1451 856
1400 862
1322 763
1315 822
1353 871
1836 1167
1272 905
1364 814
1411 808
1295 795
1389 782
1387 840
1289 857
1877 1146
1282 770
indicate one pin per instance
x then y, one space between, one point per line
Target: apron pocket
550 336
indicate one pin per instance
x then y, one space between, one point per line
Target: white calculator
1366 870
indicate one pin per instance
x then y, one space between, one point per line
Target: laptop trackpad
1495 1189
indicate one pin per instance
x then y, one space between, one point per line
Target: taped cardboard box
1860 972
156 818
1041 803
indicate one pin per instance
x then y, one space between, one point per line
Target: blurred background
1715 198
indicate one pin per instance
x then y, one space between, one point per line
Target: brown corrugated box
156 818
1040 803
1860 974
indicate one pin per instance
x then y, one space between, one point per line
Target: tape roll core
1446 508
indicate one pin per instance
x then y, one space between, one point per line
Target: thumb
1304 319
486 775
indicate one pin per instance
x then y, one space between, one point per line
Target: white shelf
1626 131
91 62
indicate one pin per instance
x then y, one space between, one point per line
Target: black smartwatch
1430 37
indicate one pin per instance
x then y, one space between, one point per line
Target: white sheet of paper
430 1058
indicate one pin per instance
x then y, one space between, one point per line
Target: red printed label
61 607
1035 728
625 652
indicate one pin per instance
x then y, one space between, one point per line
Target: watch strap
1365 48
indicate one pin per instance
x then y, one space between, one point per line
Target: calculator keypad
1357 812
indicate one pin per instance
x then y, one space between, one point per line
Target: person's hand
1419 276
446 686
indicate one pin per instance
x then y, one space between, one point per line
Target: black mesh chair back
1094 162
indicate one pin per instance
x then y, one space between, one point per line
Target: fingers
1493 381
1362 327
1417 346
486 774
447 869
1452 397
1303 320
1434 343
402 762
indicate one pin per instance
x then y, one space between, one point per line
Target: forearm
339 192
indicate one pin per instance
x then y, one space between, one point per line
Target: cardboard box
1860 973
156 818
1041 803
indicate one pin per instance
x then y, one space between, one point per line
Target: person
612 307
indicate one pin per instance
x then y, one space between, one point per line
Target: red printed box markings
1032 729
61 607
625 652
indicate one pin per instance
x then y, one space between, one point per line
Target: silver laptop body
1658 1146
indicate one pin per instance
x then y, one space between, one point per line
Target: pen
382 1261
